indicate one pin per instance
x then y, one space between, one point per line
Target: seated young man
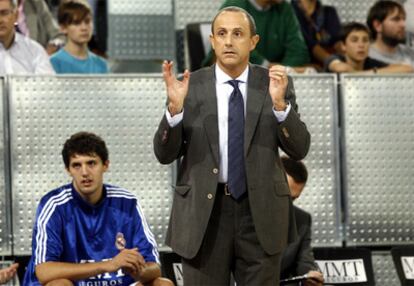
355 44
75 20
88 232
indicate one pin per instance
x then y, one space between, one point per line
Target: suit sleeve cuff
174 120
281 115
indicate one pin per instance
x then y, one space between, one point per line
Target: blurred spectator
281 40
98 43
297 258
36 21
355 44
75 20
409 10
386 21
8 273
320 26
19 54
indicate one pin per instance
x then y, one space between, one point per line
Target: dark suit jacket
297 258
196 142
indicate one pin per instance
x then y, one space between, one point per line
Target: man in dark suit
297 258
232 212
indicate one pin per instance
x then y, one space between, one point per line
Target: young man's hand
128 259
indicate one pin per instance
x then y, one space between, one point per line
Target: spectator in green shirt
281 40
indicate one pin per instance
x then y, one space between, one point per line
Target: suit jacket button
209 196
215 171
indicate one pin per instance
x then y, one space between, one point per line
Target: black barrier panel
403 257
345 266
171 267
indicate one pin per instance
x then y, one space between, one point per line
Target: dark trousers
231 246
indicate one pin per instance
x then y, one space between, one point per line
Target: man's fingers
130 262
186 76
141 261
167 72
315 278
278 72
131 267
135 258
165 68
13 266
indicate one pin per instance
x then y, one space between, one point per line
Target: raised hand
129 259
176 90
277 86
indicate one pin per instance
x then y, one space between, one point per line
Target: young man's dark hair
73 12
295 169
379 11
84 143
350 27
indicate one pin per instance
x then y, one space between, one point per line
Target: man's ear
106 165
211 38
254 40
63 29
377 26
342 47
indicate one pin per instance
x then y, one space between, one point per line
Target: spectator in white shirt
19 54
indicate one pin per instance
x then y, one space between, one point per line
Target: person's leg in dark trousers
252 265
212 264
231 245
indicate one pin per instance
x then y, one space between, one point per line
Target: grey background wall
360 162
367 160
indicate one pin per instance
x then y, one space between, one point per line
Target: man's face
392 28
356 46
80 32
295 188
8 16
232 40
87 174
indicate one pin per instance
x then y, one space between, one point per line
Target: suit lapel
257 90
209 111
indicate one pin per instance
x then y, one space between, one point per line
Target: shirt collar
222 77
84 204
15 41
17 37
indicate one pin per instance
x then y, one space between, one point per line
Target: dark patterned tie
236 171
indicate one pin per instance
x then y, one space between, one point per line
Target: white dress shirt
223 93
24 56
